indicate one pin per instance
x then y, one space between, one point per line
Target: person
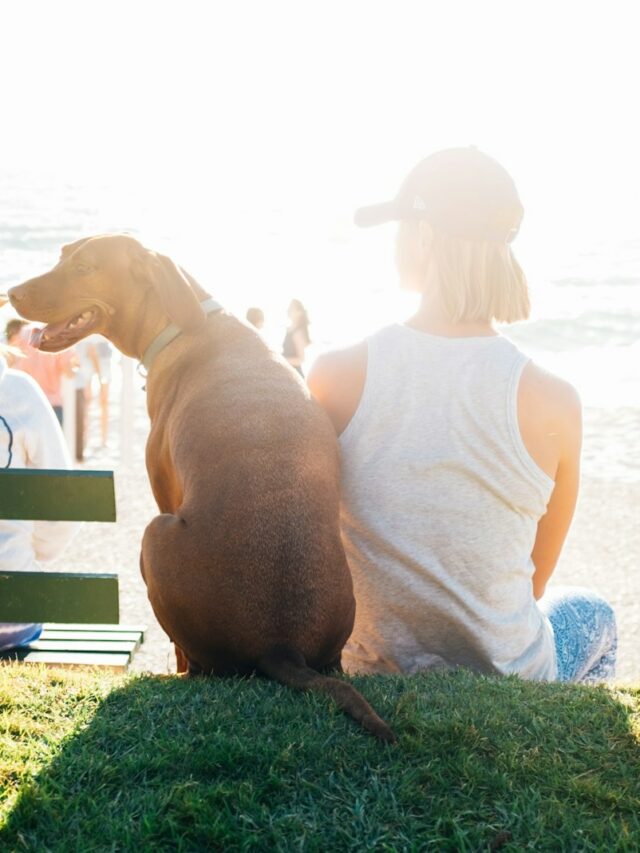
48 369
97 361
297 337
255 316
30 437
460 455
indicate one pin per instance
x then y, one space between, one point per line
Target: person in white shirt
30 437
460 456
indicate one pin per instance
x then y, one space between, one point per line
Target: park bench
79 610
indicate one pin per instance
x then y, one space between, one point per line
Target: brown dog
244 567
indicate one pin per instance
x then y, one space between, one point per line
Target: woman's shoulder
336 380
550 418
348 364
351 358
541 388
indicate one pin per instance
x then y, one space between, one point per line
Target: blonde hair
479 281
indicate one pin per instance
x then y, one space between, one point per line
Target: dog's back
249 465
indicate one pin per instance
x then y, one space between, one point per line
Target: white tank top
441 502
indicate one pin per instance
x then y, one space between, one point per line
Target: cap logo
418 203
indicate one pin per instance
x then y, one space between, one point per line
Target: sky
231 121
322 104
240 135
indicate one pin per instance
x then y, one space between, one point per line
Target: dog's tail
290 668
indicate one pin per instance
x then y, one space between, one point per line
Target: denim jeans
584 627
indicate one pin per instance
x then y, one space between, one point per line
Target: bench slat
126 647
93 636
59 596
116 662
33 494
72 626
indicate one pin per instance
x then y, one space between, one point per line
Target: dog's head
110 285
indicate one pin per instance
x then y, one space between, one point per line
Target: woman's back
456 456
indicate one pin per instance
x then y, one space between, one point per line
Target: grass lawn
96 762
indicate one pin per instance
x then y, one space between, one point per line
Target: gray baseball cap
462 192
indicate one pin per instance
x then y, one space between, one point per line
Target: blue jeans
584 627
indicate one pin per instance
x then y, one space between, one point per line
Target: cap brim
375 214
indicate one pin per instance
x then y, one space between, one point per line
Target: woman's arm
556 411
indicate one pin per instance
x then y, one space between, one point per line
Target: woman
460 456
297 338
30 437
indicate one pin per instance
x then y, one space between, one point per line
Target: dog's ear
176 295
70 248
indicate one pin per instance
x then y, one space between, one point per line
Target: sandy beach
601 552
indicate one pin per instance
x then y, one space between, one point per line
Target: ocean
585 324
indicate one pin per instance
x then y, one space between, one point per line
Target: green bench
80 611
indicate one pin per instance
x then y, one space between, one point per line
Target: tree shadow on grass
481 763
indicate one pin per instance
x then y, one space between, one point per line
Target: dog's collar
171 332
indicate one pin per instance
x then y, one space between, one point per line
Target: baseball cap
460 191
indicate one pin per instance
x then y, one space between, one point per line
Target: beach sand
602 550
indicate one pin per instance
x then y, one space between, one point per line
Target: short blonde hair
479 281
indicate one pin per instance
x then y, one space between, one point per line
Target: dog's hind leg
182 661
335 666
163 554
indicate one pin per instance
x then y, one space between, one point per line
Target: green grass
95 762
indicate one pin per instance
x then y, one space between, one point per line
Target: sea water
585 324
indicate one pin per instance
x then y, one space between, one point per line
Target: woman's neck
432 319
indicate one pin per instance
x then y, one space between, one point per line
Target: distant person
255 316
15 335
97 353
30 437
297 337
460 456
48 369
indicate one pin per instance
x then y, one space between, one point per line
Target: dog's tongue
38 336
